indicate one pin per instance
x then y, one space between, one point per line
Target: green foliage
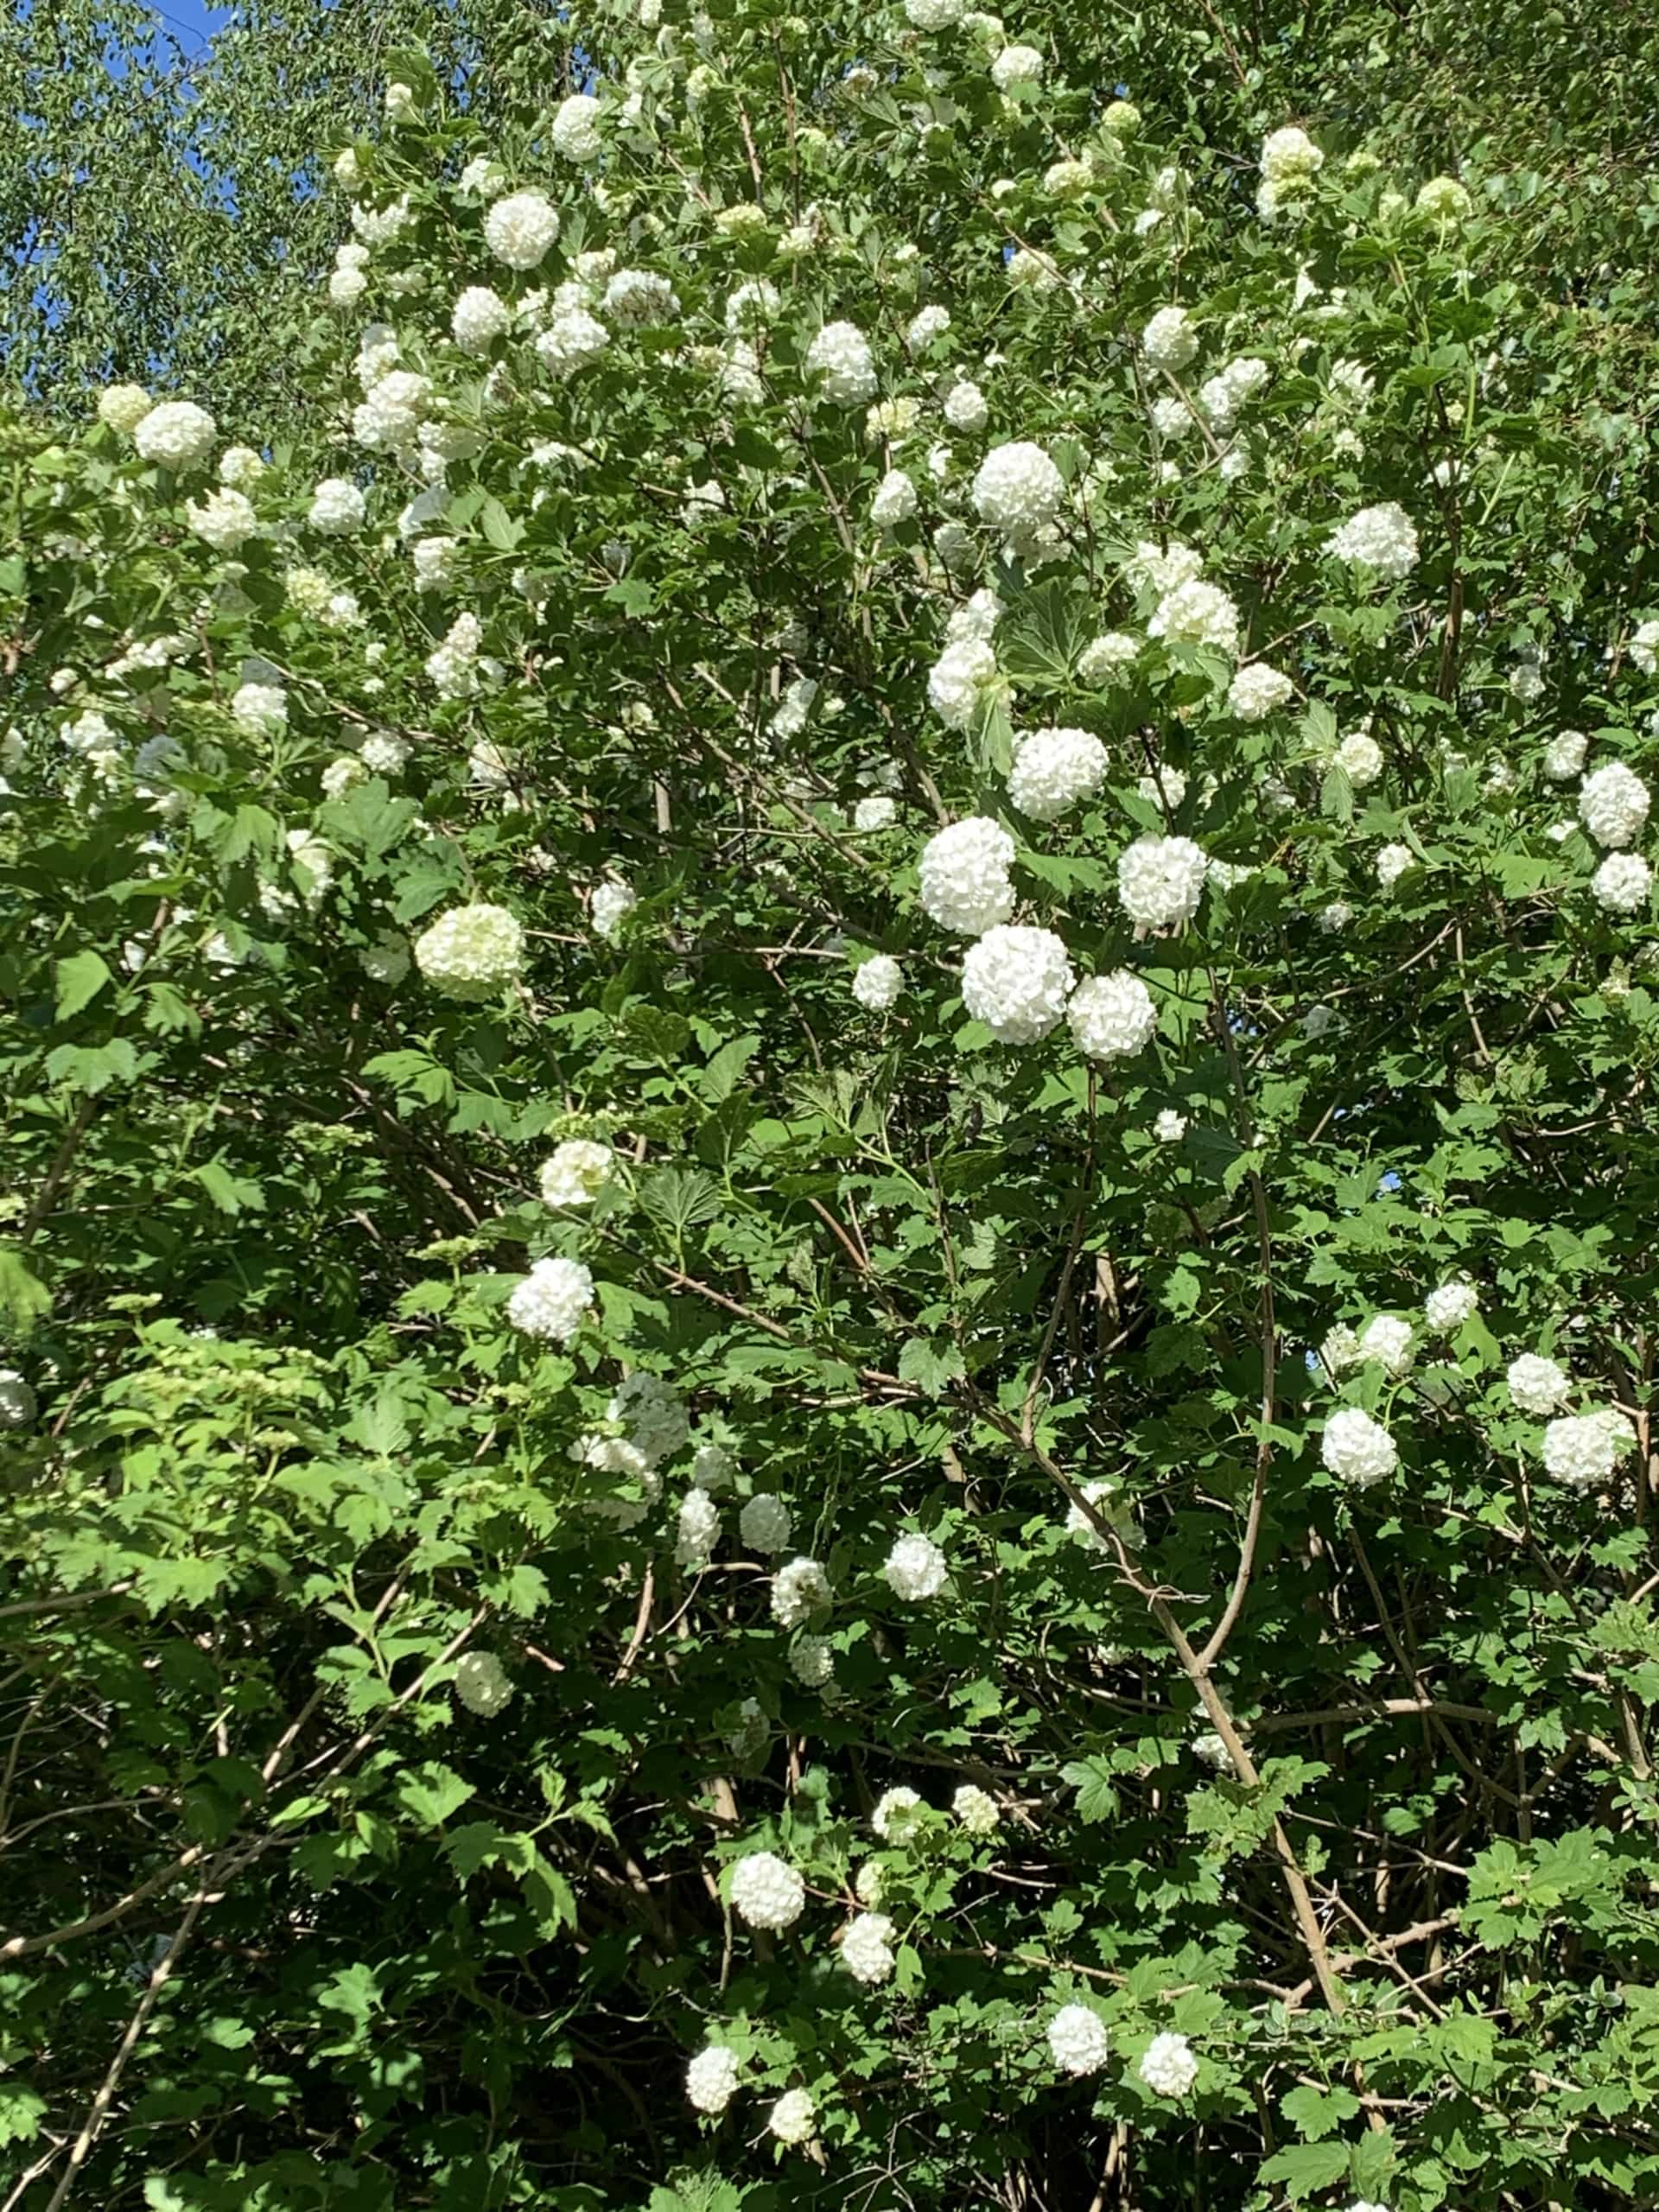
378 1736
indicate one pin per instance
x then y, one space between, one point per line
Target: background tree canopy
828 1304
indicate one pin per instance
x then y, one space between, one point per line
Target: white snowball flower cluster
482 1683
1103 659
1564 756
1360 758
653 1413
1221 395
471 953
877 982
712 2078
551 1301
576 1173
1112 1017
176 435
635 299
915 1568
793 2118
576 128
259 710
965 407
840 357
976 1809
1358 1449
1623 882
1053 769
1160 881
1582 1450
867 1948
613 901
1210 1750
393 413
337 507
752 305
959 681
1197 613
1168 1127
1450 1305
1382 539
1289 159
1537 1385
900 1816
1016 981
17 1400
1018 488
895 500
124 407
697 1531
767 1892
965 875
1169 341
519 229
799 1592
1644 638
878 812
1016 65
812 1662
574 340
1170 2066
1258 692
764 1523
1388 1340
224 520
478 317
1613 804
1392 863
712 1469
1077 2040
926 325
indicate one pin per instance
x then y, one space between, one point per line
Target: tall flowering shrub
829 1302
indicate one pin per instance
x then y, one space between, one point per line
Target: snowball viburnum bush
811 799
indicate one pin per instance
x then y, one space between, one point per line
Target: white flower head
793 2118
1357 1449
1258 692
1450 1305
1623 883
877 982
519 229
577 1171
552 1301
799 1593
767 1892
1018 488
840 357
1053 769
965 875
576 128
176 435
1169 2067
1112 1017
1582 1450
1160 881
1613 803
471 953
1016 980
482 1683
915 1568
867 1948
1537 1385
1382 539
899 1816
712 2078
764 1523
1077 2040
1388 1340
976 1810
